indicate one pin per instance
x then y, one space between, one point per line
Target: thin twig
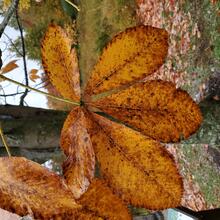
12 43
38 91
9 13
4 141
12 94
5 99
24 59
42 84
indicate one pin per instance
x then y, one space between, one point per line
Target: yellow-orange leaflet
79 167
130 56
28 188
60 62
138 168
100 199
156 108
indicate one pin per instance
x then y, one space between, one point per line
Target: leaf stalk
4 141
39 91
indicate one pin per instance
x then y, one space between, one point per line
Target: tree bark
209 132
8 15
31 132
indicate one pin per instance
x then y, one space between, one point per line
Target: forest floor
194 46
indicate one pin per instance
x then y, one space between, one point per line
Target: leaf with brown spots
100 199
130 56
79 167
138 168
155 108
60 62
28 188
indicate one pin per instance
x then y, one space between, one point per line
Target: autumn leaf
33 75
138 168
9 67
60 62
28 188
134 165
79 167
156 108
84 215
100 199
130 56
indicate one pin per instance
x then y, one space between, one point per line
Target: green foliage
32 42
35 25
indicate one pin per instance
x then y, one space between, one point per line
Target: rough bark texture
209 132
213 86
31 132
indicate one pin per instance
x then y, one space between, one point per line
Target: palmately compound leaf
28 188
155 108
79 167
135 166
100 199
138 168
60 62
130 56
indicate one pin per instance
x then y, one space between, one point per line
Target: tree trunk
31 132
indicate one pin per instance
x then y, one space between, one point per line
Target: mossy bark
209 132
